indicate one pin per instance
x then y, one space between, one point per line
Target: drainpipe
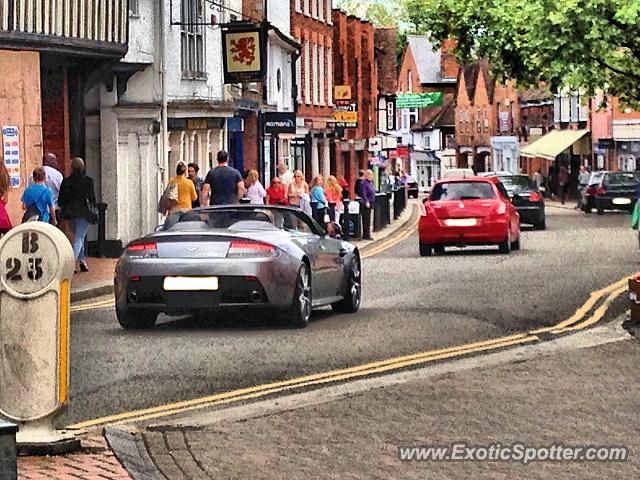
163 163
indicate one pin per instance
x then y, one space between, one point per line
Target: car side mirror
158 228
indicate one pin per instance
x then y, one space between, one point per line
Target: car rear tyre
516 245
353 295
599 208
425 250
300 311
541 225
505 246
438 249
137 319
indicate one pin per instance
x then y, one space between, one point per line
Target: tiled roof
428 61
471 74
438 117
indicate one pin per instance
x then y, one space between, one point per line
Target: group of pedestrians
224 185
50 198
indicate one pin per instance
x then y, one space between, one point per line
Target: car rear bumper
435 232
531 214
241 282
615 202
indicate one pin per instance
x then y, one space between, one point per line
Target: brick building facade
487 118
354 64
312 28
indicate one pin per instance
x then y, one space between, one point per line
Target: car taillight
601 191
502 209
423 209
149 249
250 248
535 197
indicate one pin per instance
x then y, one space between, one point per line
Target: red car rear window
462 191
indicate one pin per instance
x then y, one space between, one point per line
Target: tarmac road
410 304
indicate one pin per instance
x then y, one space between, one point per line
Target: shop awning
553 144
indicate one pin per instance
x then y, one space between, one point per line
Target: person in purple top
368 200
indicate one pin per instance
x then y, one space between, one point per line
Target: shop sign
244 53
279 122
342 92
346 115
419 100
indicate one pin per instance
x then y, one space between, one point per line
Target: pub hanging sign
244 52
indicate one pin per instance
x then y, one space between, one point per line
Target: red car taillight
535 197
149 249
502 209
601 191
250 248
423 209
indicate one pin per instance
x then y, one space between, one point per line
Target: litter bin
352 219
381 212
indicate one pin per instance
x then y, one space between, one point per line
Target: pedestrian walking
367 201
333 193
186 195
286 175
276 193
53 180
317 196
37 200
223 184
563 182
538 179
359 180
297 189
5 187
255 191
198 182
583 180
77 202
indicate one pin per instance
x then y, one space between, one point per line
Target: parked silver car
235 256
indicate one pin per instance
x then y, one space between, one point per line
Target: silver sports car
237 256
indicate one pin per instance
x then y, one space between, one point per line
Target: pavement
580 390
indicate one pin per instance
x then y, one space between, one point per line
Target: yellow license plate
190 284
461 222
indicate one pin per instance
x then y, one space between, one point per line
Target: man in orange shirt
186 195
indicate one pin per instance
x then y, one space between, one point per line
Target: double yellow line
305 381
83 307
577 321
405 232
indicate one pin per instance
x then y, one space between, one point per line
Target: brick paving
100 272
95 461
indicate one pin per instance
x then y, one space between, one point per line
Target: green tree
589 44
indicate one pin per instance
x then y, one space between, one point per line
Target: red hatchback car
468 211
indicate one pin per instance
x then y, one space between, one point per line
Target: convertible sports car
233 256
469 211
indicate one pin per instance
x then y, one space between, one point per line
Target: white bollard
36 267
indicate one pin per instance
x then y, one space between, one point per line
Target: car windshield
462 191
242 218
621 178
517 182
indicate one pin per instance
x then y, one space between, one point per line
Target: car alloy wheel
301 307
353 293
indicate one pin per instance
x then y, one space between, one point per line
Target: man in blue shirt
223 185
40 196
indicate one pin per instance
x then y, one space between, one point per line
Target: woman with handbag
5 185
77 203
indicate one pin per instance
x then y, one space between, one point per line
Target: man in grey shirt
223 185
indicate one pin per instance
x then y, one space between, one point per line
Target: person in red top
276 194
